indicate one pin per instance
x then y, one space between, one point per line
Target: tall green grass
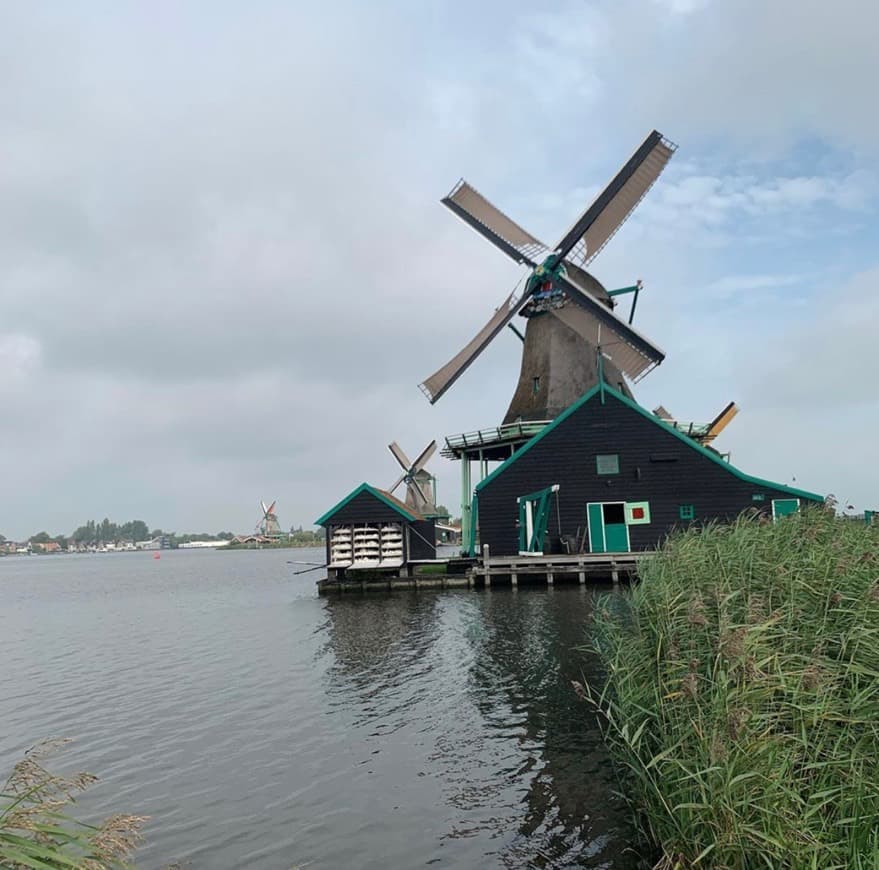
36 830
742 698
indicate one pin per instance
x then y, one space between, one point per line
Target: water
261 726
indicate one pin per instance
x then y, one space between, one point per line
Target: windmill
569 313
703 433
420 493
268 524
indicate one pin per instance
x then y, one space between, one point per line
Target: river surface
259 725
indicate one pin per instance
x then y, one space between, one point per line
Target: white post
486 559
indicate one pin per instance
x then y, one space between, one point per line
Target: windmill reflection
533 644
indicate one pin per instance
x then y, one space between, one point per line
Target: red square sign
638 513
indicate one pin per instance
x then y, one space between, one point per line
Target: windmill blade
400 456
594 228
272 507
400 479
424 456
632 353
265 510
722 420
488 220
434 386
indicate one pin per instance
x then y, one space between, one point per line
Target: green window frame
686 512
607 463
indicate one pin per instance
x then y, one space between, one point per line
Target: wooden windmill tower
569 313
268 524
420 483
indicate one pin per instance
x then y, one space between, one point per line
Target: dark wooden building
608 476
371 530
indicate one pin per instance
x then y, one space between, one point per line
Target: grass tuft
742 699
36 831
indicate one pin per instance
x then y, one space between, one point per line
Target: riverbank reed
36 830
742 698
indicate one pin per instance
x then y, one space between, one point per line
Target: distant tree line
107 532
304 538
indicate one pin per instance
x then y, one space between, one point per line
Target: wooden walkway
610 566
548 569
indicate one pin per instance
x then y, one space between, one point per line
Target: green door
616 532
783 507
608 532
596 528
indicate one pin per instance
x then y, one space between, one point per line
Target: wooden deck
384 584
579 566
548 569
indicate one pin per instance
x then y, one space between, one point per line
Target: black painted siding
422 538
365 508
655 466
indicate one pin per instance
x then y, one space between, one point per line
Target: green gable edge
364 487
693 445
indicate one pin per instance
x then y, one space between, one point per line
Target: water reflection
484 680
262 727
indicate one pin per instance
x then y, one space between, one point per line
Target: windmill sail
595 227
488 220
400 456
434 386
424 456
632 353
722 420
419 483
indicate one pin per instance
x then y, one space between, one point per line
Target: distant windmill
420 495
569 313
268 524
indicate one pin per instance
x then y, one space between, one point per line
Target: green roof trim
693 445
371 490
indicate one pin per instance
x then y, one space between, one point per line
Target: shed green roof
656 421
385 497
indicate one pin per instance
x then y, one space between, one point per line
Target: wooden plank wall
655 466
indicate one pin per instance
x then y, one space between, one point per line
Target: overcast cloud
224 267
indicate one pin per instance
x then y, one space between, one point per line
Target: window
758 496
687 512
607 463
535 386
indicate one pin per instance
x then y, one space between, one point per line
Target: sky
224 266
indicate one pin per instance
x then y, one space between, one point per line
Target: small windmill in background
420 483
268 524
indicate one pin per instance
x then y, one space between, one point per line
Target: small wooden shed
371 530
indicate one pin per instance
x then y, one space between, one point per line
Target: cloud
19 355
225 268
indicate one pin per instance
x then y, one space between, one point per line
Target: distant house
253 540
47 547
160 542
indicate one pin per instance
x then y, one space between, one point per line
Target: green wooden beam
636 289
